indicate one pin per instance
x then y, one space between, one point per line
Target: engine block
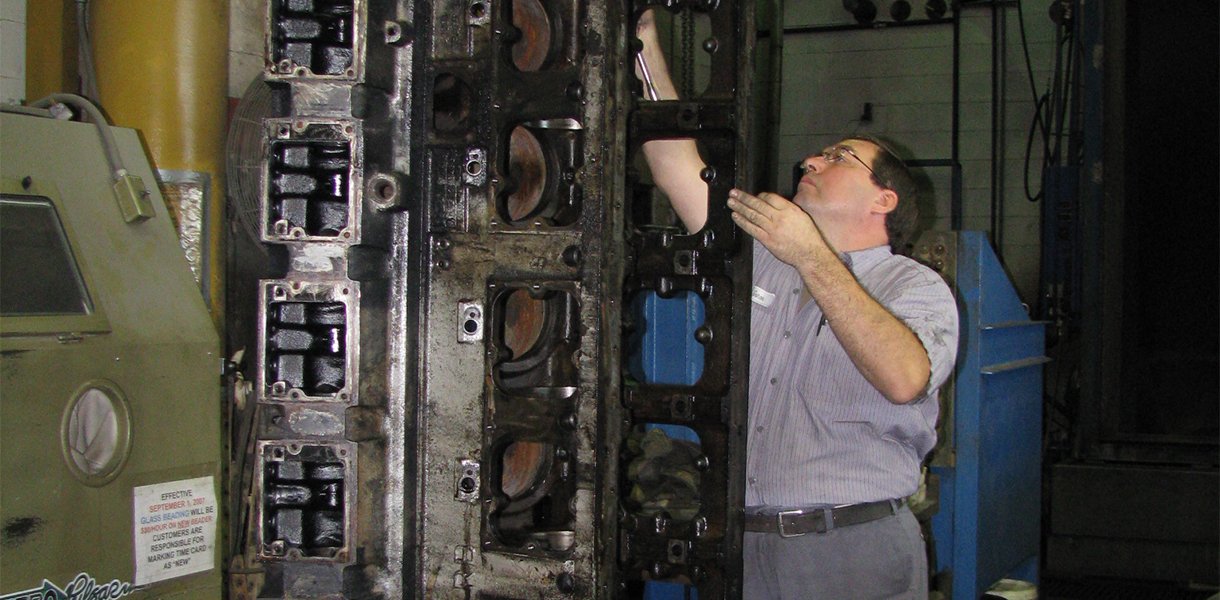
445 408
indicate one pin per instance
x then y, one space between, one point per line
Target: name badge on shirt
761 296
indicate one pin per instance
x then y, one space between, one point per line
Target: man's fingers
748 207
774 200
769 199
747 226
751 206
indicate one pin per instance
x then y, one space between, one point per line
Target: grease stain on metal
17 530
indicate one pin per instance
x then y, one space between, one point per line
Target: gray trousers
879 559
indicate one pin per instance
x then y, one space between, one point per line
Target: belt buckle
779 518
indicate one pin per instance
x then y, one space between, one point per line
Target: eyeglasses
838 154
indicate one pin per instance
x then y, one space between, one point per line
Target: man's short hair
890 172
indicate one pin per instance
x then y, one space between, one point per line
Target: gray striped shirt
820 434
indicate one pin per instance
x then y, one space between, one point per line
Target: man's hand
779 225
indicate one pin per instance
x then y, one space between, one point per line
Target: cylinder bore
523 321
531 49
527 167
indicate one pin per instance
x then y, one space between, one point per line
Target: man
849 344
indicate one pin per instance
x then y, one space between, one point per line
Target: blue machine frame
989 523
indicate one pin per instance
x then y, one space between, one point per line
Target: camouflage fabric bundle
664 473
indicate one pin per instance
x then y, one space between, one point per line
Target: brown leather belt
797 522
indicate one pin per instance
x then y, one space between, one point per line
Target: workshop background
1094 174
894 82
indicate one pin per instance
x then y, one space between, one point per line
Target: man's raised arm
675 163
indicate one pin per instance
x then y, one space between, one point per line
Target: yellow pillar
50 48
162 68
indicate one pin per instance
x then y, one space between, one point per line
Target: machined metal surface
309 350
318 39
306 495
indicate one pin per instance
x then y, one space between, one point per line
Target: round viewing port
96 433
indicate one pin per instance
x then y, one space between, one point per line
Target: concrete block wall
12 50
906 73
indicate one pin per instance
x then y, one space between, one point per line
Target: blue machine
667 351
989 459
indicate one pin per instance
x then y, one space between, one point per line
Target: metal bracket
470 322
468 481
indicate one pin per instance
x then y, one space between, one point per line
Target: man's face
836 183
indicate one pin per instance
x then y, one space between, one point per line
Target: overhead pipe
999 93
955 205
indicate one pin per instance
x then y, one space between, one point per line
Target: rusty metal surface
446 329
534 404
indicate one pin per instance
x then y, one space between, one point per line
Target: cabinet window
38 274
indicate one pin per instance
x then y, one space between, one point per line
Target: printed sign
175 529
83 587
